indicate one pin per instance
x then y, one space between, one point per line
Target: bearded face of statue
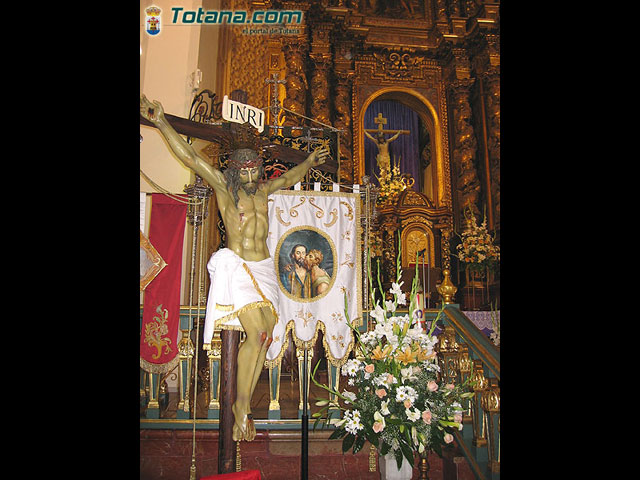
249 179
244 171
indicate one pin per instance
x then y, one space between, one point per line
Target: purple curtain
405 147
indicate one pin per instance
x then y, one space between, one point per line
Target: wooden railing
465 352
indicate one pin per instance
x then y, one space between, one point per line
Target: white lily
395 288
378 313
391 306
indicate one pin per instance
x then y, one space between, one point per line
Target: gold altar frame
423 228
157 262
421 105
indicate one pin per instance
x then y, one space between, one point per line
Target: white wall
167 62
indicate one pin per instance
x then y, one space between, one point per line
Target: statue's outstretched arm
394 137
370 137
187 155
297 173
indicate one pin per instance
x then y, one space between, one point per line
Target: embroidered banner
314 239
161 312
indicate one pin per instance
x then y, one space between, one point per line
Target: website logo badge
152 20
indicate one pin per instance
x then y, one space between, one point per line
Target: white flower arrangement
400 403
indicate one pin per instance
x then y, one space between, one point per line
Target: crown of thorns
245 146
245 158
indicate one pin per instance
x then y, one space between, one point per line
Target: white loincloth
234 290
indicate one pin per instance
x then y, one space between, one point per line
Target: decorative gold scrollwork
292 211
448 341
320 212
185 346
465 362
333 214
279 217
349 213
490 400
477 376
154 331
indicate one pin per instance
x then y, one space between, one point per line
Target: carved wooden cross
381 121
213 133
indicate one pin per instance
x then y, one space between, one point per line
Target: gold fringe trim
302 344
221 322
237 328
159 368
224 308
249 306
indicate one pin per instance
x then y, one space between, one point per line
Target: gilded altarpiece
438 57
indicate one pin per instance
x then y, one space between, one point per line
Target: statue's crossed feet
243 427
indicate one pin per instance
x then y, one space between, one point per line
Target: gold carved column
295 49
492 98
343 120
465 148
320 56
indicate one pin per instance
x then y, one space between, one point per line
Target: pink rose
449 386
390 379
448 438
407 403
377 427
426 416
370 368
457 418
432 386
381 392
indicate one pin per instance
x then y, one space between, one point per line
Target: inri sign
237 112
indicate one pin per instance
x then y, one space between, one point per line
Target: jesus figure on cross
382 158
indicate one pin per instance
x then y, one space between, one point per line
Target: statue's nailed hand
319 156
151 111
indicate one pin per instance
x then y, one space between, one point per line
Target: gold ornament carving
447 289
155 332
490 400
399 64
413 198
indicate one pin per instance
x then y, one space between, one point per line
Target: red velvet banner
161 309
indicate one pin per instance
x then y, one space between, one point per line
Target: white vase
389 468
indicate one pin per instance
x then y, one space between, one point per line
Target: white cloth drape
328 222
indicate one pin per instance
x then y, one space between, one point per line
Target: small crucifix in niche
382 158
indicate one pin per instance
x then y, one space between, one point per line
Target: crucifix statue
382 159
243 292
